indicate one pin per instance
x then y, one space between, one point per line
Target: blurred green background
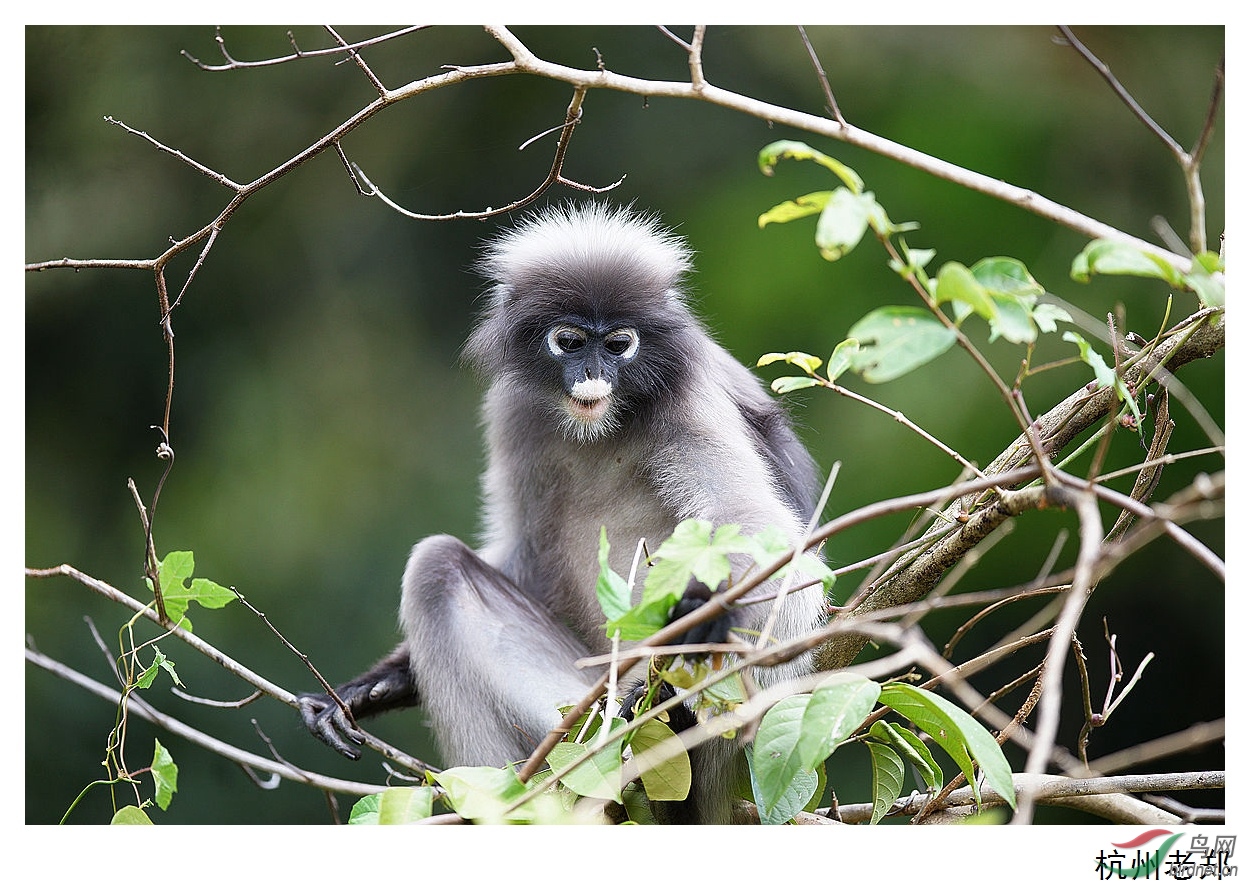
321 419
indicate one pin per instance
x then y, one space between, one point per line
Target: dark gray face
591 358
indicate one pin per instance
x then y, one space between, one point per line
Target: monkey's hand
715 630
388 685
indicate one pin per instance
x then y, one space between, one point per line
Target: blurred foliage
322 423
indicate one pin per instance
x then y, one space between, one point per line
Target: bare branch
554 176
143 710
832 103
233 64
237 669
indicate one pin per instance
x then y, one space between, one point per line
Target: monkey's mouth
587 410
588 400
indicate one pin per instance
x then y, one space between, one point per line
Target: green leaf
959 734
1047 317
365 811
794 209
956 283
1104 374
771 154
480 793
842 359
599 776
887 779
798 792
694 549
148 676
666 780
1006 276
1209 290
164 775
777 757
131 816
896 340
843 222
1014 320
1108 256
405 804
837 708
644 619
912 748
611 589
178 588
809 363
913 261
727 691
783 384
770 544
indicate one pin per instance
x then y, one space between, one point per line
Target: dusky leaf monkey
608 405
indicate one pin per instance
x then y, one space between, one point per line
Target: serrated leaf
887 779
178 588
164 775
895 340
837 708
794 209
666 780
1047 317
694 549
959 734
911 748
148 676
771 154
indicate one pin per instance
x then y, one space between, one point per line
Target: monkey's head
586 319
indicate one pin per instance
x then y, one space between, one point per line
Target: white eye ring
630 349
565 334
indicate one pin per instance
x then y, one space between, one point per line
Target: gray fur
690 433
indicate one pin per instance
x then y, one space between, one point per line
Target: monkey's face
591 358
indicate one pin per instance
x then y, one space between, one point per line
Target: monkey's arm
387 685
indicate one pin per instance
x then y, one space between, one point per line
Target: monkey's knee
435 568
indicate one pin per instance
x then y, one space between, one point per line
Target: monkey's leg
492 665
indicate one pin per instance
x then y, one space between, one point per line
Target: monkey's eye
622 343
564 339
